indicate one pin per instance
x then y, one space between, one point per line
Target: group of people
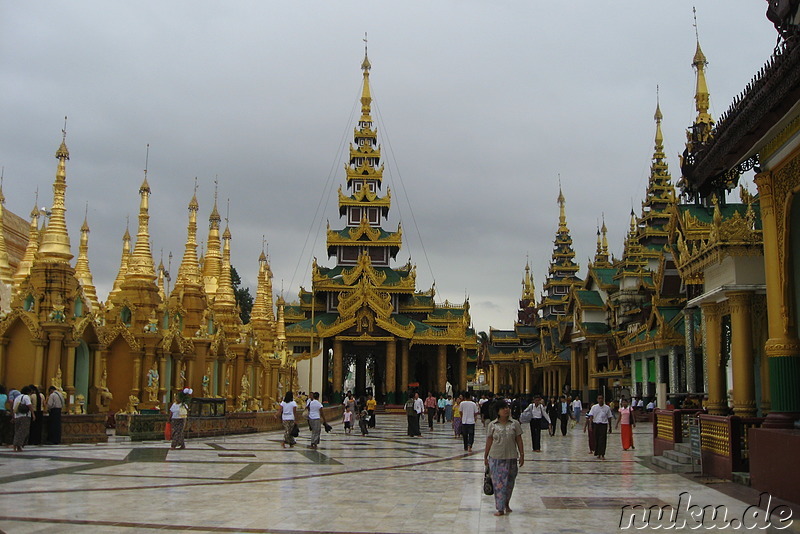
361 411
287 413
22 416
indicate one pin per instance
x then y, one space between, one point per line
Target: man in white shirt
469 410
55 403
315 419
599 417
538 414
419 409
577 408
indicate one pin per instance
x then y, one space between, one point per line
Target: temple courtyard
384 482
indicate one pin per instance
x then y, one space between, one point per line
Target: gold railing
664 426
715 436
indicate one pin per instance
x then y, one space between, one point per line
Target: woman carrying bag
504 455
537 416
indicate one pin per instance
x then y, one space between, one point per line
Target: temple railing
724 446
671 427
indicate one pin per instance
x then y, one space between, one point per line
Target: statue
244 395
105 395
152 323
57 315
56 382
152 383
133 402
80 404
182 374
228 380
207 382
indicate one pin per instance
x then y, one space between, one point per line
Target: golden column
391 371
441 367
717 404
528 378
338 379
594 383
462 372
783 347
744 387
404 367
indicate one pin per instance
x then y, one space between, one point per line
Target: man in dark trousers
55 403
563 414
599 417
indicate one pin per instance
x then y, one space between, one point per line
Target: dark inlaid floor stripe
160 526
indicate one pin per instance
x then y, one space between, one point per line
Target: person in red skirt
626 419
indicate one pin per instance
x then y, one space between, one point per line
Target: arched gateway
366 313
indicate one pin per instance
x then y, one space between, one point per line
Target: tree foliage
243 297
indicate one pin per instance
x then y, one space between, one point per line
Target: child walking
348 420
363 420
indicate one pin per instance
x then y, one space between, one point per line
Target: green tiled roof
706 215
503 335
606 276
442 312
595 328
589 298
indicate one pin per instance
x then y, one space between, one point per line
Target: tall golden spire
189 270
6 274
162 292
123 264
140 266
528 290
24 267
82 271
225 300
701 130
562 213
601 254
212 260
262 316
366 96
55 243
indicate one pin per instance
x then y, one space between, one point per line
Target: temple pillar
528 378
691 354
744 387
38 363
69 372
462 372
441 367
594 383
391 371
783 347
646 377
560 385
672 362
717 403
162 384
338 371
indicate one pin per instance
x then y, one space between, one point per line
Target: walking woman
23 415
288 412
457 417
628 423
180 413
503 451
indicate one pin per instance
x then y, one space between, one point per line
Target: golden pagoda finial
225 298
82 271
366 96
123 264
189 269
604 230
6 274
212 259
24 267
562 213
658 117
55 242
528 290
140 266
703 123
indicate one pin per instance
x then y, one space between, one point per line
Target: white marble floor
384 482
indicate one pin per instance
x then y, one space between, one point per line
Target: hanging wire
402 185
324 199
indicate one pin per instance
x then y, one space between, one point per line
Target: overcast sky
481 106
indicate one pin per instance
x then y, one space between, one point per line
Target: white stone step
669 465
684 448
678 457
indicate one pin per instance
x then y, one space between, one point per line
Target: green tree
243 297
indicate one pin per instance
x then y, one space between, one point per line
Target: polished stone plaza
384 482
